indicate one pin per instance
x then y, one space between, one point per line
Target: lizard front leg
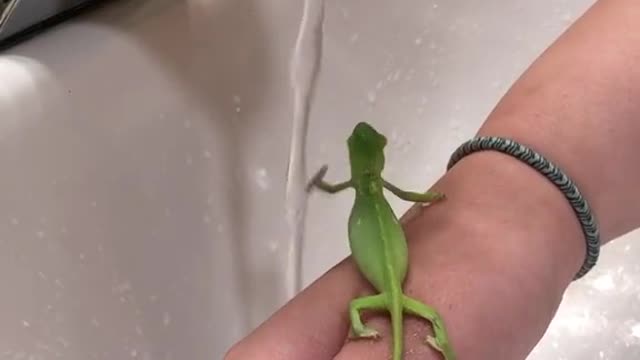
426 197
439 341
374 302
318 181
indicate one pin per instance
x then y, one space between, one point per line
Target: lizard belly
377 242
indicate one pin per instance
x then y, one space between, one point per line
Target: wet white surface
145 148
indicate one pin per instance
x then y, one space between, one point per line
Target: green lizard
378 244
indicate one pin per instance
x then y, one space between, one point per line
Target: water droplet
236 99
396 75
345 13
40 234
15 221
206 154
166 319
65 343
25 323
262 178
371 97
410 74
206 219
273 245
603 282
354 37
418 41
123 287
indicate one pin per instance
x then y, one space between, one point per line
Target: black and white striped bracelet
551 172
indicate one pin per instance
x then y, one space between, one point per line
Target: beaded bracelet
551 172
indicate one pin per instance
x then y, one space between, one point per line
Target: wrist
504 236
521 212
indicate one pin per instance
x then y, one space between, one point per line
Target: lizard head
366 150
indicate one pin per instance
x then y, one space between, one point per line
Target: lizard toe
366 333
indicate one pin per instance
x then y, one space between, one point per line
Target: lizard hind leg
358 329
439 341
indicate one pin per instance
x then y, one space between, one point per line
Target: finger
312 326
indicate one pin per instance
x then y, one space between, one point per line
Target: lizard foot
438 197
435 197
318 176
364 333
439 341
433 342
358 329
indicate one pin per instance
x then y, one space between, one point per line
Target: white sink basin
145 149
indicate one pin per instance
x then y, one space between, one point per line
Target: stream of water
304 67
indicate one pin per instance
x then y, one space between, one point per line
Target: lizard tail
396 326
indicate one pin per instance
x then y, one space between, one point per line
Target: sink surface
145 147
